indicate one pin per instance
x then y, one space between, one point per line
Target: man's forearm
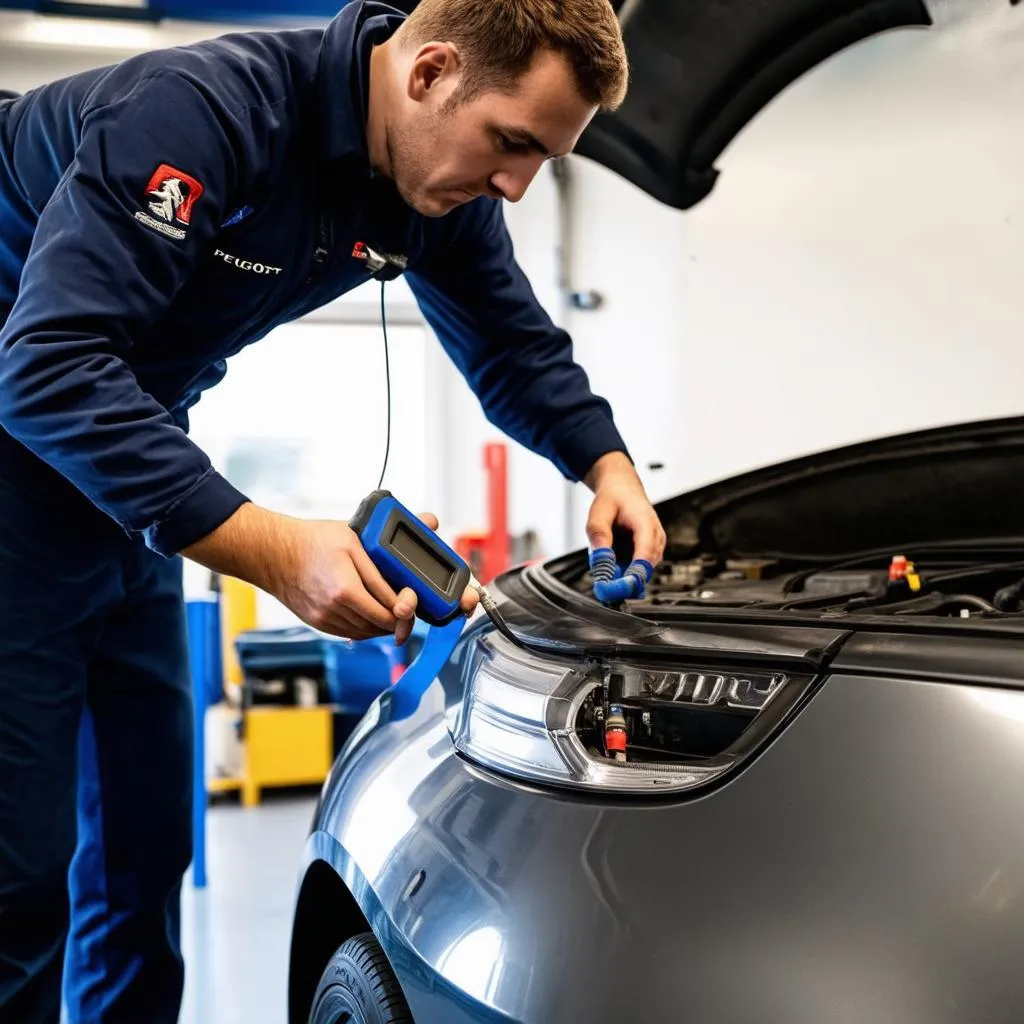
249 545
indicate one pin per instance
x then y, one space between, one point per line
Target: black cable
968 600
485 598
936 604
387 371
494 614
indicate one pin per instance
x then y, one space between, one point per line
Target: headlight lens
553 721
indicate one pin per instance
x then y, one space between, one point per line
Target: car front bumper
866 866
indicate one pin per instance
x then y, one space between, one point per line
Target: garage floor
235 933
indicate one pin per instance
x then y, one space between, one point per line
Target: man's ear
435 67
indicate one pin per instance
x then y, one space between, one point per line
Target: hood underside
702 69
949 485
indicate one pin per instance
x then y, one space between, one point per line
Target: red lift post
488 552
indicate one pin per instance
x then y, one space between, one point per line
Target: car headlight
613 726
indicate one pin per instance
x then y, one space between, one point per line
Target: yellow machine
280 746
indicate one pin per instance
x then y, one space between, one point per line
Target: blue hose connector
611 584
603 567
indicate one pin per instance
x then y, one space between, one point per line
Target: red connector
615 733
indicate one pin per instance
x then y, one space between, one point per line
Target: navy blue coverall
156 217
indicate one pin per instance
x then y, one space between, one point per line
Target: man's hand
316 568
620 499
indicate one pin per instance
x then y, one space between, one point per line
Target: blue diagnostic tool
409 554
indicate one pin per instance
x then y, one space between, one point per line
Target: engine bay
942 583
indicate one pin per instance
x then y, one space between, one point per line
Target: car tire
358 986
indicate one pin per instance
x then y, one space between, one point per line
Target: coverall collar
344 75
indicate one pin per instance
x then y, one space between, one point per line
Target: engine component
848 581
1011 598
947 582
901 569
750 568
615 733
679 575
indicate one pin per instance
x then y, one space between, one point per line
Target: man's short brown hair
498 40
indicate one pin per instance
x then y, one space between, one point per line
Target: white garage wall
300 424
536 490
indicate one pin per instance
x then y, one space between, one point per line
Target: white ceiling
45 32
35 48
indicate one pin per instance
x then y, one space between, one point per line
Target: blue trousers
95 765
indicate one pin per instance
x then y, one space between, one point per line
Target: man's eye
509 145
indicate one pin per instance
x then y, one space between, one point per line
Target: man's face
444 154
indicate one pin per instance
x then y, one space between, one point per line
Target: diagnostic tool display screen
409 545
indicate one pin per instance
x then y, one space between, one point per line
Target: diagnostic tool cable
490 606
486 601
387 374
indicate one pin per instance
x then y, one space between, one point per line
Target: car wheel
359 987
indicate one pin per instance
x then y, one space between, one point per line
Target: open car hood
960 484
951 493
701 69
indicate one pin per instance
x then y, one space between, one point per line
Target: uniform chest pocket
230 297
231 288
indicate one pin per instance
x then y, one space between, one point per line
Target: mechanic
157 216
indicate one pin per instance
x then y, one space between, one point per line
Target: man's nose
512 183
